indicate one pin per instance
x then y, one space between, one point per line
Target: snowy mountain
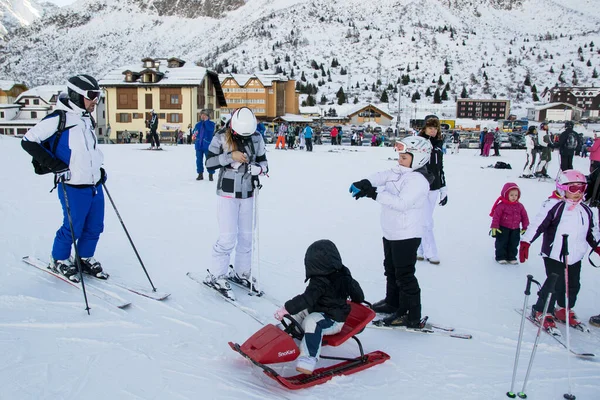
487 47
19 13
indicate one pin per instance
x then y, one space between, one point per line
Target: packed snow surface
177 349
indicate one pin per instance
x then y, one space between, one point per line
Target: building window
174 118
138 115
26 102
33 114
174 99
161 116
36 102
2 114
123 117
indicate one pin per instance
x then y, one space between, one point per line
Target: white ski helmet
566 178
418 147
243 122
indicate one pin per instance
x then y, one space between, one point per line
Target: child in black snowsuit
322 308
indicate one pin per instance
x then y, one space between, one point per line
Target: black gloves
363 188
103 175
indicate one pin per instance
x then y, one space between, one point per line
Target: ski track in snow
177 348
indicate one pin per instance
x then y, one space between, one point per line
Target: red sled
272 345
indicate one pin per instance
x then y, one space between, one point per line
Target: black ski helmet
569 124
80 87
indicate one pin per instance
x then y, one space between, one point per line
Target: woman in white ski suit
238 151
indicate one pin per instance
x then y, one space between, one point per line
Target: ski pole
255 244
551 281
530 279
128 237
565 254
77 260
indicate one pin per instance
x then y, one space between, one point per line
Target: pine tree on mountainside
437 98
384 97
464 94
428 93
444 95
416 96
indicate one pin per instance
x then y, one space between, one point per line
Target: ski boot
65 268
560 313
210 177
547 322
383 307
220 284
403 320
200 177
243 280
92 267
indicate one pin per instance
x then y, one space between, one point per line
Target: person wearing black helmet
74 156
153 125
567 145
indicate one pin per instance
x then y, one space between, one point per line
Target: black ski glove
103 175
363 188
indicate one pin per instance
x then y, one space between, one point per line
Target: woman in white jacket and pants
402 192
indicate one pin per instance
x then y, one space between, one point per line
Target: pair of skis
557 335
429 328
102 289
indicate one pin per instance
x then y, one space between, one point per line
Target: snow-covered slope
51 349
489 46
20 13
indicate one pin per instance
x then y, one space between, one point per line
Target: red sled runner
271 345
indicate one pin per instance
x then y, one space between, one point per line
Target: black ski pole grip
528 287
552 282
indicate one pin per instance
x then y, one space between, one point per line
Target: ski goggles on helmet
91 95
573 188
401 147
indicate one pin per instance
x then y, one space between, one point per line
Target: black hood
322 258
428 175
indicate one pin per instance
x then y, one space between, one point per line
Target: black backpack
62 120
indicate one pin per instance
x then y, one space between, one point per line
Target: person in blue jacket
203 134
261 128
308 134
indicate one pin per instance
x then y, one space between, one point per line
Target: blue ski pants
87 213
200 154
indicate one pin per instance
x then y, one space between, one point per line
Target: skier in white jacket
402 192
563 213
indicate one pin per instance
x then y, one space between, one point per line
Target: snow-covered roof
10 106
265 79
7 85
44 92
310 110
189 74
295 118
553 105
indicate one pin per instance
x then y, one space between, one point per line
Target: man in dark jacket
322 308
153 125
567 145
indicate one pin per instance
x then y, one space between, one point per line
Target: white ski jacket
77 147
402 194
557 218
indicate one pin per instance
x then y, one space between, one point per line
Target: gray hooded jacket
236 182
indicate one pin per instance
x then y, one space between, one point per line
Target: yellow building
10 90
268 96
175 91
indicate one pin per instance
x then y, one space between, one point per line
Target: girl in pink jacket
595 154
508 215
